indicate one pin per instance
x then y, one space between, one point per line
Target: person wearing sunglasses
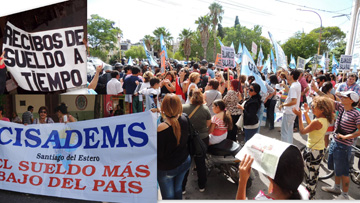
43 116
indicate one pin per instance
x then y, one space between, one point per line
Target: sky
137 18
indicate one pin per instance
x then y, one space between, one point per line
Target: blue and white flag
238 55
150 58
248 67
322 62
273 61
163 45
232 45
130 61
292 62
221 44
267 67
260 57
335 66
280 55
307 60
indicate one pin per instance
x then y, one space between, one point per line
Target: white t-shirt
114 86
294 92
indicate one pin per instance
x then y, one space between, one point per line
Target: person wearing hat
347 127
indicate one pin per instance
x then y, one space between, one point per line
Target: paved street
220 188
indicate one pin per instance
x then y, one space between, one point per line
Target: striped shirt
349 121
220 127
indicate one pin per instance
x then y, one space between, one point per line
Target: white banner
227 57
301 62
345 62
253 48
46 61
110 159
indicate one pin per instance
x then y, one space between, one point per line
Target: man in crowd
114 86
27 116
304 89
350 84
292 100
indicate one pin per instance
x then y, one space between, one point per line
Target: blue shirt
344 87
129 84
211 73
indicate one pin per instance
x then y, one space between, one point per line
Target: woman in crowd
221 122
323 109
270 107
250 109
168 84
15 118
194 79
200 118
232 99
43 116
2 118
182 84
172 151
63 115
211 94
288 177
327 89
220 78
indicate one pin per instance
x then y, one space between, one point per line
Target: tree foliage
216 13
236 21
102 34
167 38
203 27
136 52
185 38
220 33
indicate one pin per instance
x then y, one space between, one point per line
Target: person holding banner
323 109
2 118
63 115
173 157
288 177
43 116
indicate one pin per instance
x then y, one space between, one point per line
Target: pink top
262 196
220 127
5 119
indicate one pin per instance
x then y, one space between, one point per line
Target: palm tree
203 26
148 40
216 13
167 38
185 38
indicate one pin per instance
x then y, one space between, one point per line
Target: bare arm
95 79
212 127
350 136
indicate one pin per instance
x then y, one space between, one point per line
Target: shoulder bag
196 145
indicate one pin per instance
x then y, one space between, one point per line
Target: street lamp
320 27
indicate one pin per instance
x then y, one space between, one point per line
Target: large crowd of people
221 103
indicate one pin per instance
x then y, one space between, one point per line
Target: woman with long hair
43 116
232 99
220 123
323 109
63 115
173 154
250 109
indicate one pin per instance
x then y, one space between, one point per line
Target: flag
322 62
280 55
307 60
292 62
232 45
221 44
260 57
163 45
150 58
267 68
238 55
273 61
130 61
248 67
335 65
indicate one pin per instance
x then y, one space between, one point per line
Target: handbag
196 145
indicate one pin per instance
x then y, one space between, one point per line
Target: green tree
102 54
135 52
301 44
102 34
216 13
149 41
185 38
329 38
236 21
221 33
203 23
167 38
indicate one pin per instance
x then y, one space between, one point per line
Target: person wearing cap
347 127
350 84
